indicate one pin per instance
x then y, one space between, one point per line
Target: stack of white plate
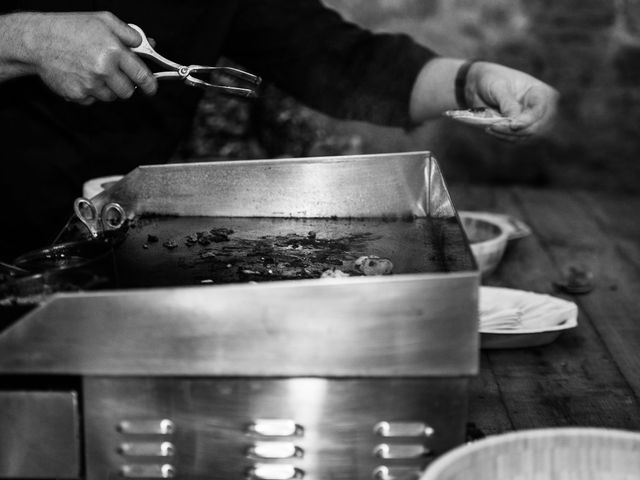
512 318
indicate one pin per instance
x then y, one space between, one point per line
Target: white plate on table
511 318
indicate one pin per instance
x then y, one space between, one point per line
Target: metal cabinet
39 434
311 428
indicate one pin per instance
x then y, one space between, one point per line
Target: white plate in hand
476 116
511 318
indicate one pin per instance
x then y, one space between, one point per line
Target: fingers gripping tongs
184 72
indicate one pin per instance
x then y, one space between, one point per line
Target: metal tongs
111 217
184 72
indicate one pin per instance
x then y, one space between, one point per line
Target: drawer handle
400 451
147 449
275 472
275 428
275 450
395 473
148 471
403 429
147 427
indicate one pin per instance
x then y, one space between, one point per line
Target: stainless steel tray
420 321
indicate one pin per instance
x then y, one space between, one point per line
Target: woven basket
544 454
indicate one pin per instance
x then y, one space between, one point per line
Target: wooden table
590 376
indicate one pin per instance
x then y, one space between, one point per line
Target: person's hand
85 57
529 104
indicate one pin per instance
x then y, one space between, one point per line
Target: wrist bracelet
461 83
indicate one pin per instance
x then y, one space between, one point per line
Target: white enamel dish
511 318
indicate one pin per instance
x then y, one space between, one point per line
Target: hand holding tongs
183 72
112 216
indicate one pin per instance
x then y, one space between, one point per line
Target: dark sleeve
331 65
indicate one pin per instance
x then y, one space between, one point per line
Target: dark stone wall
588 49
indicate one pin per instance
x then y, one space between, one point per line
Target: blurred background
588 49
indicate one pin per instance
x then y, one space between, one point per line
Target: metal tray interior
261 249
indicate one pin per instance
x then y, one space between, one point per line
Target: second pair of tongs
184 72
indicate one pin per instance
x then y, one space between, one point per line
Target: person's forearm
334 66
527 106
14 57
434 89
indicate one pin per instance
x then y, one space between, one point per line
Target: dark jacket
50 146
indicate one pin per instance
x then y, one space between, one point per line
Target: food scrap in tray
229 257
215 235
222 250
373 265
290 256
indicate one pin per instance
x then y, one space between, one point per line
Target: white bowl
488 239
95 186
544 454
488 235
